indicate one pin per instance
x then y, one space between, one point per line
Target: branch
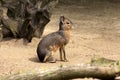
68 72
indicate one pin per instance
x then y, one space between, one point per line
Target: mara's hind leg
49 58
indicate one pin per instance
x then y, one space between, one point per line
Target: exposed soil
96 33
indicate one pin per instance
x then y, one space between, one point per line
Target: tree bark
69 72
25 18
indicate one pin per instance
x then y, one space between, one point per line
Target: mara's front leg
61 56
62 50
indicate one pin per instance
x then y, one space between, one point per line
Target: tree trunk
25 18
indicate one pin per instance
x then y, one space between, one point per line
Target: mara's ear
62 18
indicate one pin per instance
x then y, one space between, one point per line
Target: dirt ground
96 33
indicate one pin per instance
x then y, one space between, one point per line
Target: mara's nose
73 26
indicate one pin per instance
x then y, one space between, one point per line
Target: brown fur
54 41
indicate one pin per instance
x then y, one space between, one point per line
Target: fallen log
68 72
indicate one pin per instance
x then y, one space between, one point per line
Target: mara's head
65 23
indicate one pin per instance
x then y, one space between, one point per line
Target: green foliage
104 62
61 65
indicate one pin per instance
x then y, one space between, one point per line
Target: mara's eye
67 23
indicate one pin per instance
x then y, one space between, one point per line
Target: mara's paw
51 60
66 60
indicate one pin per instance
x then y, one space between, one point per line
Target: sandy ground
96 33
